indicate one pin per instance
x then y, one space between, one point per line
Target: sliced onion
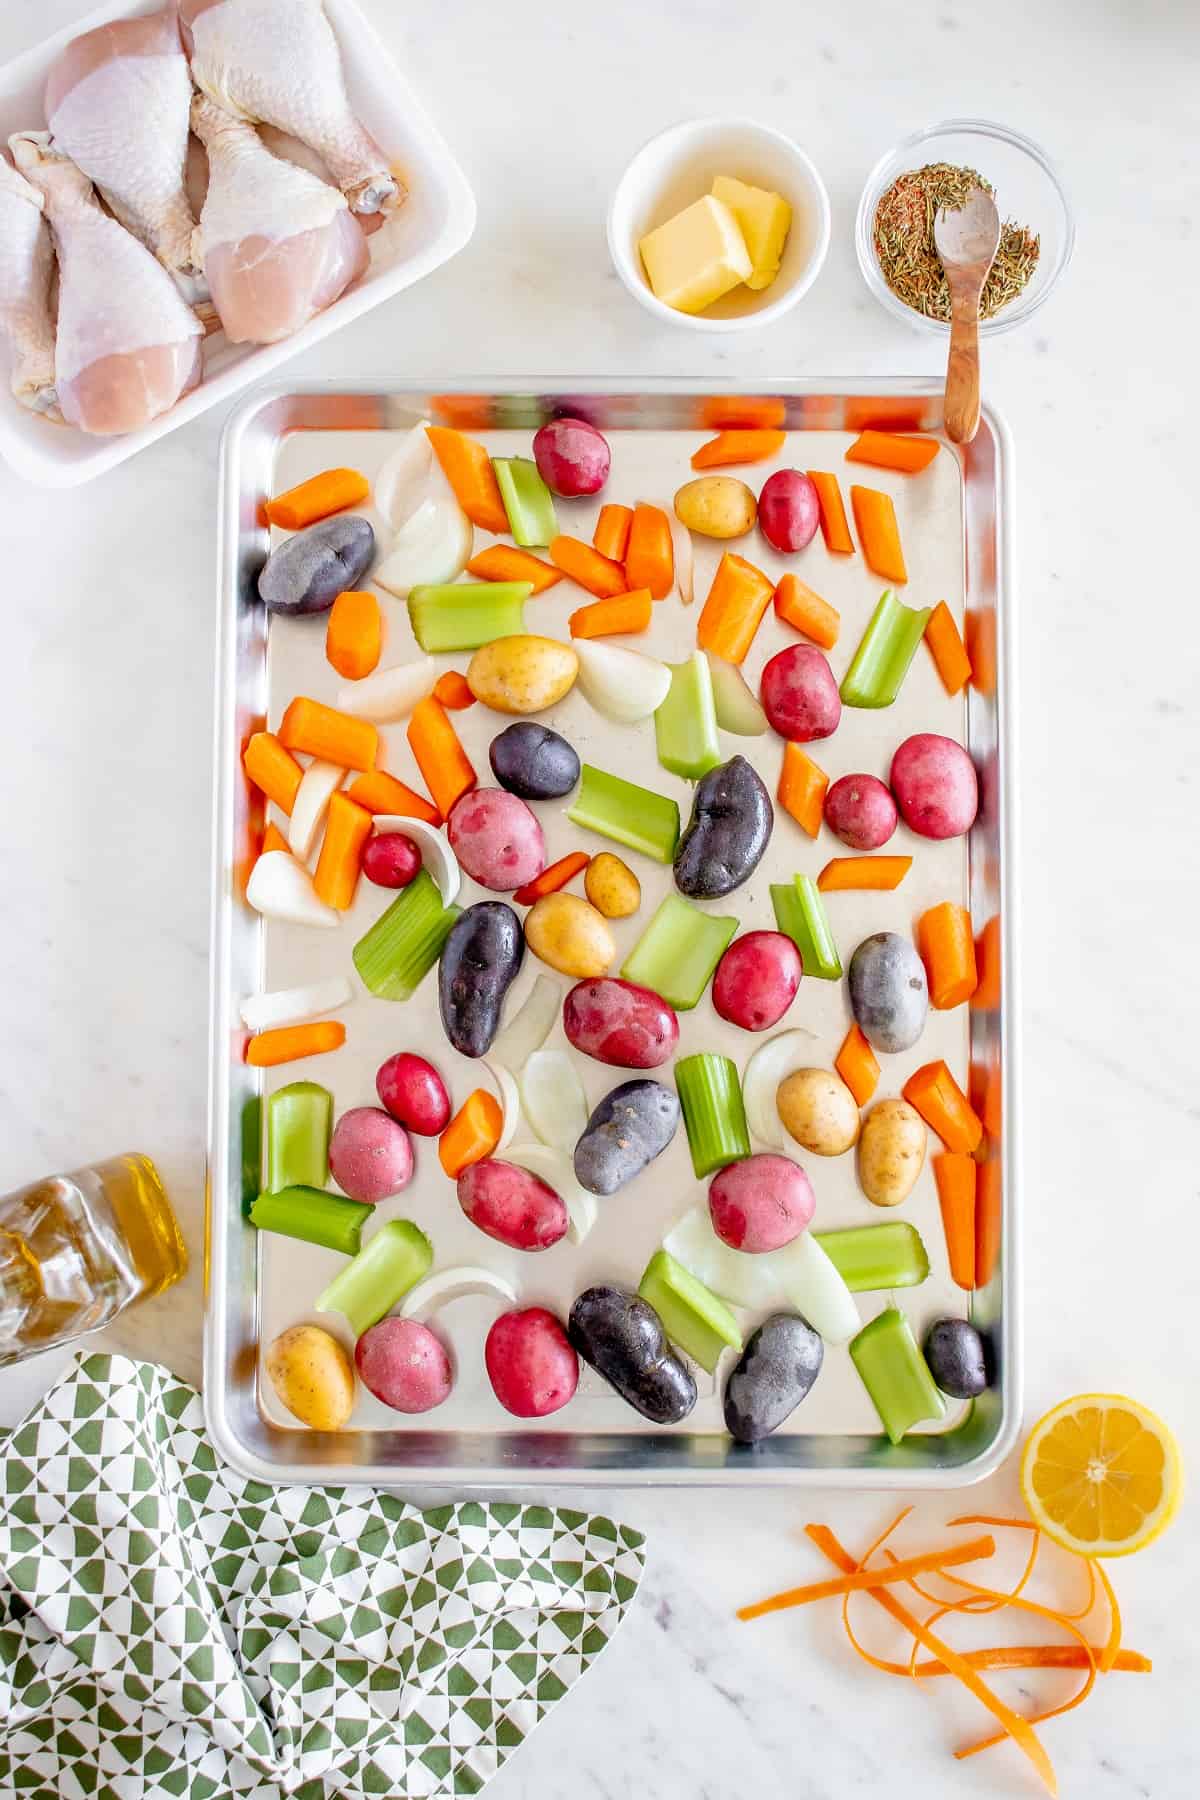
436 854
809 1281
529 1026
445 1285
403 481
554 1101
281 888
319 783
554 1168
388 694
510 1103
736 707
287 1006
682 552
624 685
771 1063
433 546
740 1279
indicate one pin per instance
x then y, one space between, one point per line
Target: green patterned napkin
167 1628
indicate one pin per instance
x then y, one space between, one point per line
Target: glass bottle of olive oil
75 1250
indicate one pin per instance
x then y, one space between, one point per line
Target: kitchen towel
170 1629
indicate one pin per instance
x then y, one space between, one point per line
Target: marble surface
106 679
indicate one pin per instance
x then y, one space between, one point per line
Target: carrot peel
864 1578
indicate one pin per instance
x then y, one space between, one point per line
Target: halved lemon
1101 1475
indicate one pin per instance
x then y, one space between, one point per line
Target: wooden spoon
966 240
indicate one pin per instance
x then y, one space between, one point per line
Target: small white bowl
677 167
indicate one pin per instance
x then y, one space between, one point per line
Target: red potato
935 786
788 510
757 979
860 810
799 695
497 840
390 859
370 1156
403 1364
413 1092
530 1363
573 458
620 1023
511 1205
760 1203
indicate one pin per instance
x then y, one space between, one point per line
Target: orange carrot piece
750 412
989 1209
932 1561
981 649
947 649
587 568
882 412
890 450
650 552
737 600
472 1133
444 764
273 839
1037 1656
332 736
985 1093
331 491
453 691
955 1176
290 1042
354 634
878 533
607 618
857 1065
272 769
552 879
802 788
347 828
835 527
948 952
611 536
944 1107
468 468
986 997
382 793
805 611
878 873
504 562
736 446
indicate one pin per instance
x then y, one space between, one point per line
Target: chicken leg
26 270
277 61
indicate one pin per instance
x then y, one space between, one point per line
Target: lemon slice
1101 1475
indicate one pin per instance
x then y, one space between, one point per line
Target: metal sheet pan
955 523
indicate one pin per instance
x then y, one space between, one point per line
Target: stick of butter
697 256
764 219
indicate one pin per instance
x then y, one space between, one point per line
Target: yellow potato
717 506
570 935
313 1376
819 1111
522 674
891 1152
611 886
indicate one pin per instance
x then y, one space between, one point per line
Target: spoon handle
962 369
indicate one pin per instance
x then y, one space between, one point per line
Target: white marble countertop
107 679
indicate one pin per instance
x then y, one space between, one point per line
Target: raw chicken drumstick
26 268
277 61
128 345
277 245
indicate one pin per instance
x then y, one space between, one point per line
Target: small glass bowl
1027 189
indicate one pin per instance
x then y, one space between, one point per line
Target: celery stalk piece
678 951
800 913
685 725
713 1115
397 1257
464 615
883 657
627 813
691 1314
312 1216
870 1257
299 1120
895 1374
527 501
397 953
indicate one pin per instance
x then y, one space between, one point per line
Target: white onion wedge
388 694
554 1101
809 1281
281 888
555 1169
319 783
529 1026
445 1285
771 1063
740 1279
736 707
624 685
510 1104
433 546
436 854
801 1275
403 481
288 1006
682 552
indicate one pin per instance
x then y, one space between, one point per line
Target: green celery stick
627 813
800 913
895 1374
313 1217
869 1257
678 951
299 1120
397 953
883 657
685 725
713 1115
462 616
527 501
251 1136
397 1257
691 1314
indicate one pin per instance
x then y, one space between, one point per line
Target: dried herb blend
908 260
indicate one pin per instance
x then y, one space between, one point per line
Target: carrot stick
551 879
835 527
981 649
650 552
751 411
985 1093
802 788
318 497
444 764
329 735
878 533
889 450
948 952
878 873
989 1208
947 649
737 600
347 828
870 1578
468 468
608 618
737 446
472 1133
504 562
272 769
382 793
354 634
805 611
273 839
611 536
955 1176
857 1065
588 568
986 997
290 1042
453 692
1038 1656
944 1107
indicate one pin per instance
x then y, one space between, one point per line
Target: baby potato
522 673
569 935
819 1111
891 1152
611 886
717 506
313 1376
